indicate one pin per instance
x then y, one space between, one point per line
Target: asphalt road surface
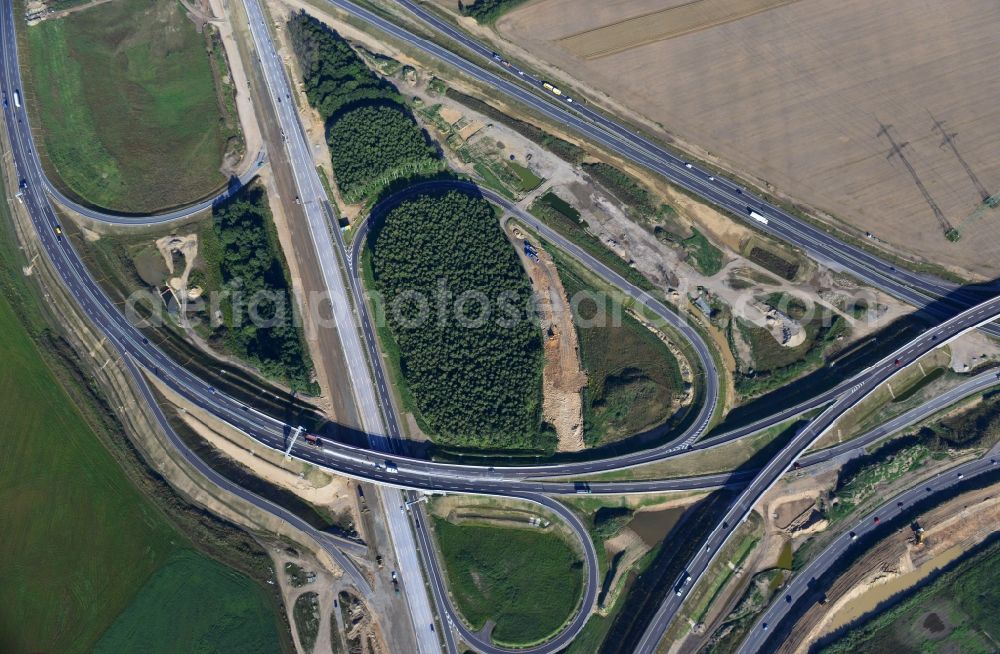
381 427
105 315
273 433
914 288
757 639
767 477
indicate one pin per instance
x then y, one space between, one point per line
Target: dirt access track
563 378
950 529
808 97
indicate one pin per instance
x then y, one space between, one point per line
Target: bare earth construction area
882 113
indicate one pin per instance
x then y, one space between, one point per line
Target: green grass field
632 375
194 604
776 364
527 581
79 541
527 180
74 528
702 254
127 104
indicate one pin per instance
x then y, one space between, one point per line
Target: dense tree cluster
477 382
334 75
375 141
259 315
371 132
487 11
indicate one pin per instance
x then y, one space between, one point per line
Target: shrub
487 11
623 186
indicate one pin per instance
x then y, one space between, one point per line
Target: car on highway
853 536
875 520
58 231
688 166
764 626
682 584
961 476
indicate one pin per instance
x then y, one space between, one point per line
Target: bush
774 263
776 364
623 186
702 254
477 384
977 427
609 520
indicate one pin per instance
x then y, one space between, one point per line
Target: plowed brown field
813 96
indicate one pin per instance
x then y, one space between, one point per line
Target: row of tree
370 129
457 301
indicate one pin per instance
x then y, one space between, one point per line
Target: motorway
105 315
380 426
799 588
782 462
383 427
914 288
12 63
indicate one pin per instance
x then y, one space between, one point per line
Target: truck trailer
554 90
756 216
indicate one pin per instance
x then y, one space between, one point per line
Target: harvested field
841 105
682 18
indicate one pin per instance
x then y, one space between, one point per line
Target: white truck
756 216
391 467
17 99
